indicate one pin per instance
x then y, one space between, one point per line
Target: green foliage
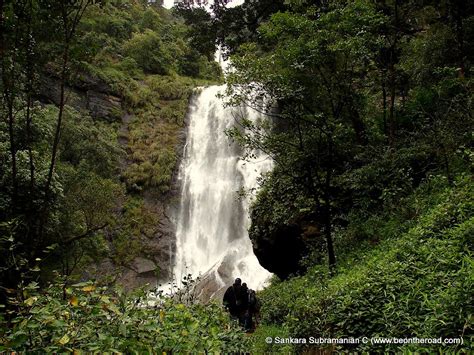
371 108
86 317
228 26
142 37
117 25
362 112
148 50
155 131
85 212
260 345
142 64
416 284
90 144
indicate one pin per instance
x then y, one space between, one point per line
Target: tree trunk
392 124
70 24
57 134
11 133
9 103
384 102
327 214
459 8
393 78
29 101
357 124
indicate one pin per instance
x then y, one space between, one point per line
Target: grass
154 133
415 284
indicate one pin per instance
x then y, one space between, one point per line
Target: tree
227 27
26 30
313 72
345 146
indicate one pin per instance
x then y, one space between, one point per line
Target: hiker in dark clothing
241 304
245 296
246 314
233 299
253 309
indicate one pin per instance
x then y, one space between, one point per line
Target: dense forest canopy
70 71
370 103
366 219
373 98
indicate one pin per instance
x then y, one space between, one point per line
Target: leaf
73 301
30 301
114 308
64 340
123 330
81 284
89 288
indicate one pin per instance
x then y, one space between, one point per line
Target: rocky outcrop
95 97
281 252
161 248
88 93
103 106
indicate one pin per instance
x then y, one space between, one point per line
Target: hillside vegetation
366 219
94 97
94 100
417 282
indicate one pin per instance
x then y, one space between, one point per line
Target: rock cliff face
153 265
281 251
86 94
282 248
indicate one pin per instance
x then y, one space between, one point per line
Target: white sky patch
169 3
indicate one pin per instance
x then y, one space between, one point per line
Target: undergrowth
87 318
415 284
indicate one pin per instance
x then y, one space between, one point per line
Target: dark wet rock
92 96
104 106
281 252
87 82
143 266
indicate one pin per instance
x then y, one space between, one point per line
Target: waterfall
212 222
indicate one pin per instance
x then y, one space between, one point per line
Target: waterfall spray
212 222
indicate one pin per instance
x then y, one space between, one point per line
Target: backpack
253 302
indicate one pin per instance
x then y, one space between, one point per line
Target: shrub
150 52
417 284
85 317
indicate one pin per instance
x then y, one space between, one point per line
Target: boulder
93 97
281 252
143 266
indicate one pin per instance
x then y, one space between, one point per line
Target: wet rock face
104 106
212 285
93 96
143 266
86 94
281 252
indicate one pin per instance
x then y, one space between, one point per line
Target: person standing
244 309
253 309
233 299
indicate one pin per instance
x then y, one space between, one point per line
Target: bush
415 285
85 317
150 52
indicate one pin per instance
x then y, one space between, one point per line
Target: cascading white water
212 223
